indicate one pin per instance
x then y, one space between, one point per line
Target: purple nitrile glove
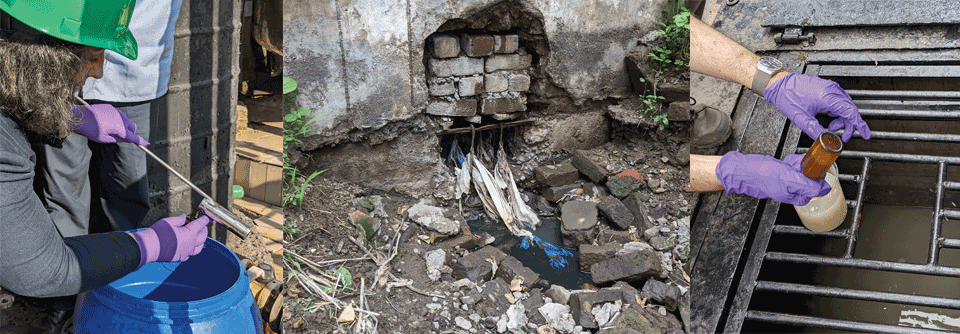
172 239
103 123
763 176
800 97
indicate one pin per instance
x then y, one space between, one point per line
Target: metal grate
906 105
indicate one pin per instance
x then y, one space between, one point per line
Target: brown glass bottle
821 155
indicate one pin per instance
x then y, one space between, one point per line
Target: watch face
769 64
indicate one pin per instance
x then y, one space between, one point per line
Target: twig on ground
400 282
391 305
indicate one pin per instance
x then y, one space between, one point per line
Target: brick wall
477 74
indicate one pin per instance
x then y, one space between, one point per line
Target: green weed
294 128
674 55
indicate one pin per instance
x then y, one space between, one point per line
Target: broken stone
651 232
476 266
616 212
635 204
582 304
367 224
516 317
558 316
463 323
662 243
621 185
544 206
435 260
643 320
632 247
621 237
432 218
593 190
634 266
494 293
666 294
653 183
685 311
558 294
579 215
630 294
588 167
604 313
638 68
590 254
683 155
511 268
557 175
464 241
554 194
532 303
546 330
475 120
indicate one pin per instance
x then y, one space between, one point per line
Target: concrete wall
360 62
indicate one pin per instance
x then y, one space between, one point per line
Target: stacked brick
477 74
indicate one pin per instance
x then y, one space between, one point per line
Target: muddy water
891 233
569 276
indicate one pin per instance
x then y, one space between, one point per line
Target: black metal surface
831 13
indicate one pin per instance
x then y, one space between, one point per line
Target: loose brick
506 43
590 254
503 106
445 46
557 175
442 89
616 212
507 62
476 45
456 66
519 83
496 82
588 167
624 183
471 86
679 111
464 107
554 194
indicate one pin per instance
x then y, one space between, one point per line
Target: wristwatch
766 68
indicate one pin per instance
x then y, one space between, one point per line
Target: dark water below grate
569 276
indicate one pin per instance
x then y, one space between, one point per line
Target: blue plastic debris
556 254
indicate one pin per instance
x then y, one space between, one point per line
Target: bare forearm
703 176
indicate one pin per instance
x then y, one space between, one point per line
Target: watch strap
760 80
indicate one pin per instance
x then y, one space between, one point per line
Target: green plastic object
96 23
237 191
289 85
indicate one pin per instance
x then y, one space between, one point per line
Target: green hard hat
96 23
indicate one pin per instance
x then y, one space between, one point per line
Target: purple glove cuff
149 245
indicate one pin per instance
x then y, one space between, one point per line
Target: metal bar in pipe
893 156
908 136
790 229
902 94
950 243
934 251
910 268
875 296
855 220
834 324
950 214
907 114
848 178
951 185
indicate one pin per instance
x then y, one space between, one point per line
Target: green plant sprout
294 128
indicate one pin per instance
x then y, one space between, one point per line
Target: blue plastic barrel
209 293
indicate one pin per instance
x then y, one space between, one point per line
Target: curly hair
38 80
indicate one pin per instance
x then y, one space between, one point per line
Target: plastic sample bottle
827 212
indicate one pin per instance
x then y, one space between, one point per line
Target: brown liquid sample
821 155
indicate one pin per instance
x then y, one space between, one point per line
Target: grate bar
876 296
950 185
791 229
894 156
907 136
950 243
908 114
835 324
855 220
903 94
910 268
950 214
935 229
848 178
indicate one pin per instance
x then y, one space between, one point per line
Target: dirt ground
321 232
